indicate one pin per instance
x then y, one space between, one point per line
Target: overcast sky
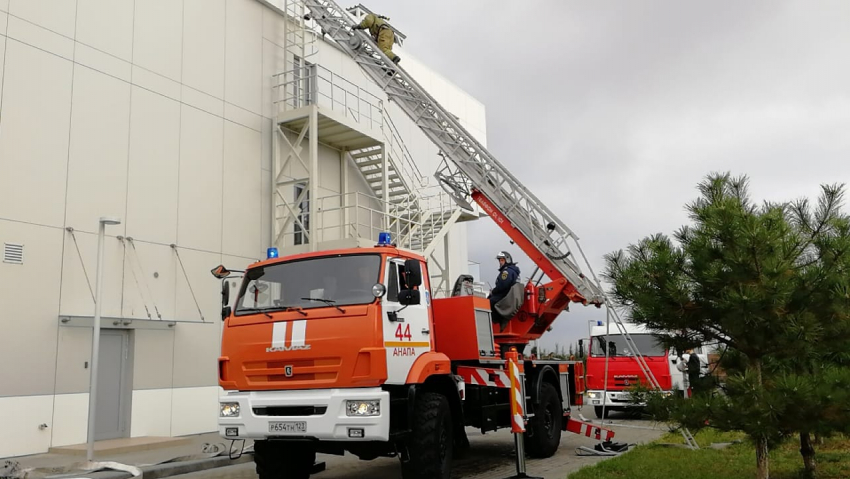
612 112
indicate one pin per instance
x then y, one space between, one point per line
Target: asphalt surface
490 457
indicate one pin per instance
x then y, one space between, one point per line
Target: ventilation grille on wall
13 253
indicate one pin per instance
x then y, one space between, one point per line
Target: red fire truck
348 350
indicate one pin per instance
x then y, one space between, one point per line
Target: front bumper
612 398
333 424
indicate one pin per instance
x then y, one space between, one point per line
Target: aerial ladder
470 172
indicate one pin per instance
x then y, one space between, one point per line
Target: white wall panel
154 266
152 359
274 62
243 117
97 169
202 101
77 298
274 27
265 217
20 433
200 198
151 414
196 347
73 353
267 148
70 419
153 168
39 37
158 36
156 83
203 45
31 154
4 5
30 296
4 22
106 25
50 14
102 62
2 52
194 411
206 287
243 63
242 192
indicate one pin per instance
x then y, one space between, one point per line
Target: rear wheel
431 442
543 435
284 460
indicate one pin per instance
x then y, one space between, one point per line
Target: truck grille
304 371
290 411
625 381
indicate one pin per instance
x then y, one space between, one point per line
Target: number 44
405 334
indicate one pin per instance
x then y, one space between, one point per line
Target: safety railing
317 85
359 215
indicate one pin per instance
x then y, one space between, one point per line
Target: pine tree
769 284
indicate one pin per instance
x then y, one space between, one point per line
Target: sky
611 113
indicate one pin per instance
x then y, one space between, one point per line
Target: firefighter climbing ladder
471 167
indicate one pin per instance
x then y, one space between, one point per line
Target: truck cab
318 345
623 369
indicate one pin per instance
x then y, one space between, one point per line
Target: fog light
229 409
358 432
231 431
363 408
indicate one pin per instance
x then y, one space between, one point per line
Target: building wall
159 113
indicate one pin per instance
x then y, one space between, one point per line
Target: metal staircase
471 167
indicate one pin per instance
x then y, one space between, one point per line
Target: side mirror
412 273
408 297
220 272
225 293
225 312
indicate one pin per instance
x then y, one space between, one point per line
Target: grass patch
654 460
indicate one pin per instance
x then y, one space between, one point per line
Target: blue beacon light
384 239
271 253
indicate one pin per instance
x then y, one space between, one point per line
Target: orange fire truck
348 350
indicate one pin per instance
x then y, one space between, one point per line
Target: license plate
288 426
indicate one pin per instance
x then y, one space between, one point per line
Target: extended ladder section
471 171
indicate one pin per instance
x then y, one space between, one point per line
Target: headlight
594 395
363 408
229 409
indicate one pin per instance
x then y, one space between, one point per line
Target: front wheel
543 435
598 411
431 442
283 460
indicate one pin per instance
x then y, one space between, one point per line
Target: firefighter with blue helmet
508 275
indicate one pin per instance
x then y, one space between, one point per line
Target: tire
598 411
431 442
283 460
543 433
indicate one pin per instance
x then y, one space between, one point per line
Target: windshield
310 283
647 345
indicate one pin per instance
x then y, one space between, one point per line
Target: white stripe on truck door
279 335
299 333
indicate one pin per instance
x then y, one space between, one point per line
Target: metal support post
95 343
518 416
314 176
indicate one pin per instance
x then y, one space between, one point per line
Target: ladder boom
472 172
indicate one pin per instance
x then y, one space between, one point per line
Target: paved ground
491 457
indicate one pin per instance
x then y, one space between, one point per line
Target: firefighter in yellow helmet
381 33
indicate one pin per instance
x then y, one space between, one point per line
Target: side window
394 282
